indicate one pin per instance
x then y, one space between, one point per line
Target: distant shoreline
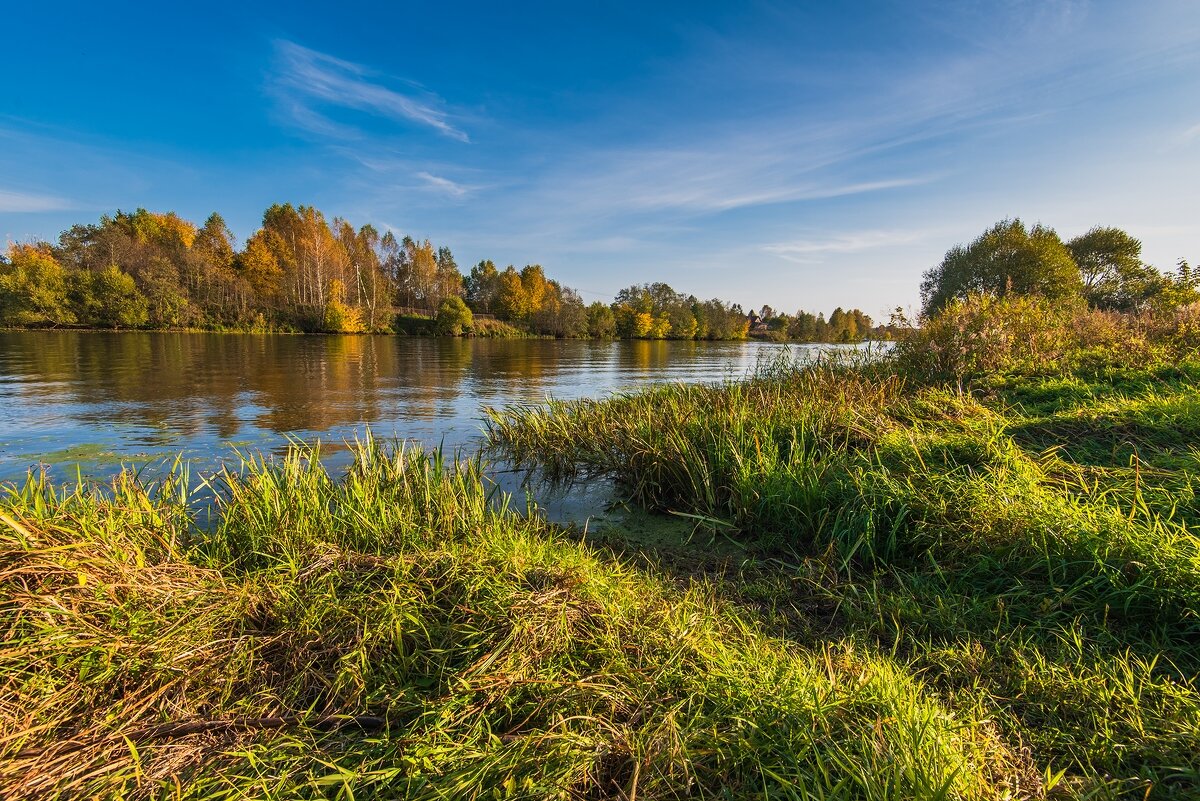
404 335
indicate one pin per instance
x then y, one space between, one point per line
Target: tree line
302 271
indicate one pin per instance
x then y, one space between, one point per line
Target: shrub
340 318
984 334
453 317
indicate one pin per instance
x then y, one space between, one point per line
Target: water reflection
100 399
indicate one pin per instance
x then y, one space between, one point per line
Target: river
87 401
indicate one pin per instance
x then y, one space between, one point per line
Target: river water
92 402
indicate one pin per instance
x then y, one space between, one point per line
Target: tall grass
1028 586
397 634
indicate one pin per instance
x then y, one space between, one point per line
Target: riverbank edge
518 334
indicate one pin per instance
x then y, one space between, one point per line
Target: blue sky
798 154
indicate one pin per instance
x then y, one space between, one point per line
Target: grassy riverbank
395 635
1027 553
890 590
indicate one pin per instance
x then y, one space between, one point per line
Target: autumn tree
33 288
561 314
338 317
211 277
259 266
512 299
537 290
365 254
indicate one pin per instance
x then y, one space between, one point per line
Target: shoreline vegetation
963 569
302 273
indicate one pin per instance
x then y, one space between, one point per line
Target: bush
340 318
1030 334
453 317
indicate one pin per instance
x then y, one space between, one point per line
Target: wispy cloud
811 191
1192 133
301 115
18 202
881 137
444 185
720 173
810 250
308 79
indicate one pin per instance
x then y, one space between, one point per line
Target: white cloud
18 202
718 174
309 77
807 250
443 185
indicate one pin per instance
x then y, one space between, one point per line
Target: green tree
600 321
1180 289
803 327
718 320
1005 258
482 285
681 323
117 303
448 281
572 314
166 299
1110 266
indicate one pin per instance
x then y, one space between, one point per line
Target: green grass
1027 572
396 633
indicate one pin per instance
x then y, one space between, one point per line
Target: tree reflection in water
103 398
